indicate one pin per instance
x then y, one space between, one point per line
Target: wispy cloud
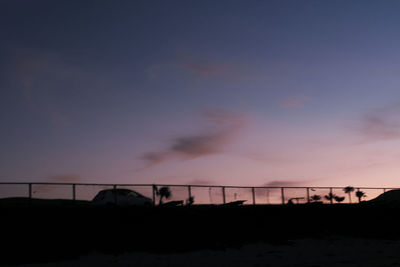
192 65
203 65
224 125
64 178
202 68
58 178
279 183
276 193
294 102
153 158
380 124
201 182
39 75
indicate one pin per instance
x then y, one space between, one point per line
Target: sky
250 93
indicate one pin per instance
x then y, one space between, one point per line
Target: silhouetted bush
339 199
330 197
315 198
190 201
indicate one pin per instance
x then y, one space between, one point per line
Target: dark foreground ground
49 231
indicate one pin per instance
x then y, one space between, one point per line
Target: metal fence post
254 195
308 195
331 195
283 195
154 188
189 192
73 192
223 195
115 194
30 190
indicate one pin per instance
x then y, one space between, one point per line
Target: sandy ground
334 251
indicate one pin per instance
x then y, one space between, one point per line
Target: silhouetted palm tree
315 198
360 195
348 190
164 192
339 199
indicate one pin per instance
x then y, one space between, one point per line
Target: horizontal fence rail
196 194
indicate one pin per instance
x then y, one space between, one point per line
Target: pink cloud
203 69
380 124
224 125
202 182
35 71
59 178
294 102
64 178
281 183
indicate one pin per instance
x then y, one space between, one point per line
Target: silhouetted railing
202 194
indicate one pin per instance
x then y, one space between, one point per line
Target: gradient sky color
202 92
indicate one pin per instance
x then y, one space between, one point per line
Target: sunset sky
202 92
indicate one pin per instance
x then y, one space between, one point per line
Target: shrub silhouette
164 192
315 198
339 199
330 197
190 201
360 195
348 190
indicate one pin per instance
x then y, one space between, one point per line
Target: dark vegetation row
36 232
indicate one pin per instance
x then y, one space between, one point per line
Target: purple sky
206 92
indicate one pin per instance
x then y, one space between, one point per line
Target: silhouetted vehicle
234 203
173 203
293 199
122 197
